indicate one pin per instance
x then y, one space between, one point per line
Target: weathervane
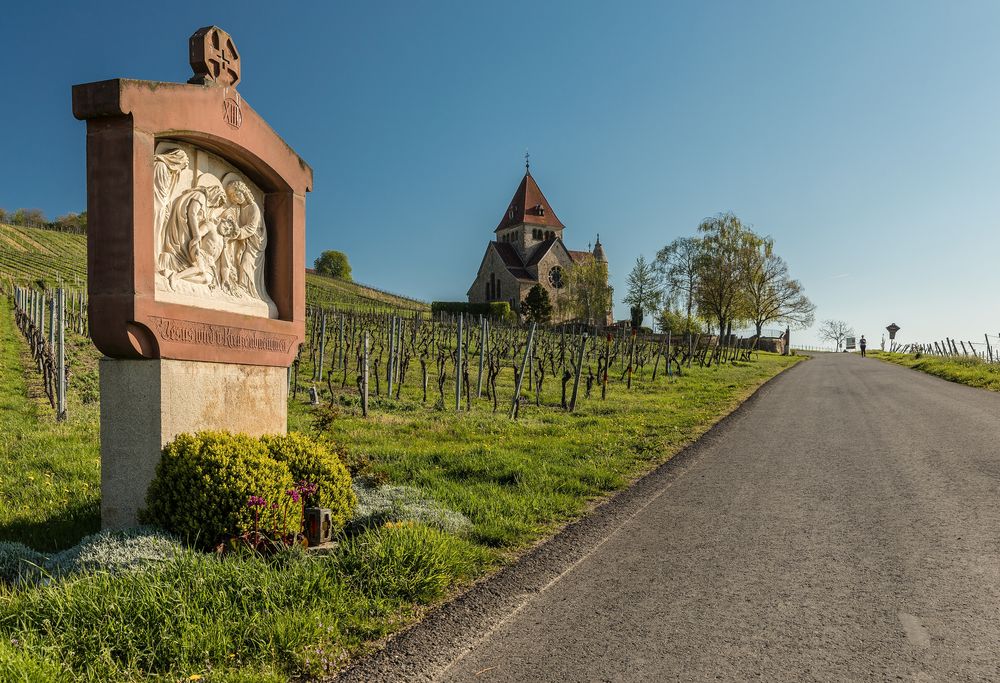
527 161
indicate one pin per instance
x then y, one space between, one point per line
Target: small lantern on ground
319 526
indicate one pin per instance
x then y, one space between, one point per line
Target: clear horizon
861 138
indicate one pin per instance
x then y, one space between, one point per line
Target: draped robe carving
210 236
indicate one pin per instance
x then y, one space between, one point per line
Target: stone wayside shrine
195 264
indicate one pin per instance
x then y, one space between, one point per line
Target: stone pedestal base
146 403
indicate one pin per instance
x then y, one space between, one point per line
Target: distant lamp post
892 329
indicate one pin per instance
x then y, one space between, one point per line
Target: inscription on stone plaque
209 233
190 332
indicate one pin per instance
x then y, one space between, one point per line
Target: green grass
49 471
326 291
236 618
518 481
969 370
31 254
249 619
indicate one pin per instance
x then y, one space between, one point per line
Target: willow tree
589 296
727 252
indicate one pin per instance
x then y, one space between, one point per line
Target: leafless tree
771 294
678 266
835 331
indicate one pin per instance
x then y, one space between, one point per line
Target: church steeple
529 206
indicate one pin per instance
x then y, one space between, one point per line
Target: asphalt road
843 525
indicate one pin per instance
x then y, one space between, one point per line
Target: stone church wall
510 287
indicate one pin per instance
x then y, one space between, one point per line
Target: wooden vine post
458 367
482 355
364 378
520 376
61 356
579 369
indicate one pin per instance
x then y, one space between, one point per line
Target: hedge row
493 309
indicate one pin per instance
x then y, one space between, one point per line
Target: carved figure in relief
192 242
167 168
210 235
248 240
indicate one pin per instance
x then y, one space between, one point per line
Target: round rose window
556 277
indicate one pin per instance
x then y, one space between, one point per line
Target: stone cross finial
214 57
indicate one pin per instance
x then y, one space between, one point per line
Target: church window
499 289
556 277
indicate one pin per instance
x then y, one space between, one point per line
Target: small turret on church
528 250
599 250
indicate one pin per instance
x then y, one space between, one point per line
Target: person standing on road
863 344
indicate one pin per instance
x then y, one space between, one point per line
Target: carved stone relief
210 239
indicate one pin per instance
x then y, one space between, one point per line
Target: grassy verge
517 481
49 471
964 369
249 619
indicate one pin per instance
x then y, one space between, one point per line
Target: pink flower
307 489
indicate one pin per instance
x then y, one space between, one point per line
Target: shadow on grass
60 530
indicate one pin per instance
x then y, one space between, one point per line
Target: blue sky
864 137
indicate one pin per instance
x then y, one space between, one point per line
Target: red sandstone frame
125 119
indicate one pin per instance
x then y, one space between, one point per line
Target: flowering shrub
273 530
203 482
315 463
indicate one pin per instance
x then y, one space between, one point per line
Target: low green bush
492 309
203 482
378 505
316 463
116 551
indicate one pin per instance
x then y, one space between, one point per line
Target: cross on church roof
527 161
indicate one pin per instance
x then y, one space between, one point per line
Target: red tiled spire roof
529 206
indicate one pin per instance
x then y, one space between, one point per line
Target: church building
528 250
